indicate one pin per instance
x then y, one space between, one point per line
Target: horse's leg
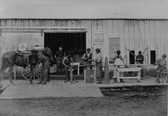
10 74
48 79
32 68
2 74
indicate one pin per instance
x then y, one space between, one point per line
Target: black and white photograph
83 57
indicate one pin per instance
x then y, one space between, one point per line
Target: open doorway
71 42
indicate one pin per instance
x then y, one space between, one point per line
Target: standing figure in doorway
139 58
59 57
98 60
87 57
67 61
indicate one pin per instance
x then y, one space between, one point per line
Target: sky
157 9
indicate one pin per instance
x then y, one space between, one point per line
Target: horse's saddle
20 59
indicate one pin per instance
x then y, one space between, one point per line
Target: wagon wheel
26 73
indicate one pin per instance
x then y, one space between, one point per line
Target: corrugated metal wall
134 34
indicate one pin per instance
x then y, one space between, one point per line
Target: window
132 57
152 56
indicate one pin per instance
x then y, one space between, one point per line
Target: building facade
129 35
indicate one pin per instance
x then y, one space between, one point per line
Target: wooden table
120 73
78 66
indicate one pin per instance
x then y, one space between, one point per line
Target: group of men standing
64 62
97 61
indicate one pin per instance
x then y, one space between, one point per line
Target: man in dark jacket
33 62
87 57
45 67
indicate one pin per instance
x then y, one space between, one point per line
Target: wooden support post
106 79
71 74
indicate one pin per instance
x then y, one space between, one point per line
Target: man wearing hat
87 57
33 58
98 61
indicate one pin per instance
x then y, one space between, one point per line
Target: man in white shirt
98 60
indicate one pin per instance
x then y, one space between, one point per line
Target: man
59 57
98 60
139 58
118 62
87 57
33 62
67 65
162 67
45 67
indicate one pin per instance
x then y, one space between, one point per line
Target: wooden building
75 35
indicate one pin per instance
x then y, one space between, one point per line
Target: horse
9 59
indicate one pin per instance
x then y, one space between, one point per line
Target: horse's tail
3 63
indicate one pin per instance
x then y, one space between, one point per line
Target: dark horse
9 59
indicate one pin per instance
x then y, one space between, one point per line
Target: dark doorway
72 43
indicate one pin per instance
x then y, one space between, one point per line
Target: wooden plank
147 40
143 44
152 35
162 37
158 45
166 36
115 28
121 35
133 85
126 39
89 36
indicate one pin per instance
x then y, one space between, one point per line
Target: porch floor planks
57 88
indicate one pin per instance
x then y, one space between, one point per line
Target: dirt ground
150 103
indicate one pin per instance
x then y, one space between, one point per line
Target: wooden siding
134 34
